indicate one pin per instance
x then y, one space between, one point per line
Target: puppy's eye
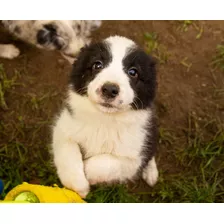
97 65
133 72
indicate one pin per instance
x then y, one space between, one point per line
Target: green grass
186 64
23 156
156 49
5 86
200 177
112 194
17 165
218 59
165 137
184 25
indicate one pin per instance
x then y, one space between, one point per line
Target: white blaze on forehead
119 47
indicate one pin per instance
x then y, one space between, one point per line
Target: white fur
9 51
111 144
111 141
150 173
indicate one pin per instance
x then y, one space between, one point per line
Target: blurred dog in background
65 36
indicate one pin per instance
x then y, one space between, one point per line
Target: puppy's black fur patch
82 72
150 141
144 85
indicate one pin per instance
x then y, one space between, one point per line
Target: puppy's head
60 35
115 75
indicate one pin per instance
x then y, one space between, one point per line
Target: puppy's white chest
111 137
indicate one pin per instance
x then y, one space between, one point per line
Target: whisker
140 102
81 89
135 105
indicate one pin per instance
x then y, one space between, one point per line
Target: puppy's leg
8 51
69 164
150 173
108 168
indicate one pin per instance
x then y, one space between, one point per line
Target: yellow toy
32 193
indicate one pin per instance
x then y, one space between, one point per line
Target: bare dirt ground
190 99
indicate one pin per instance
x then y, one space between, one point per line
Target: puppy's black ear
48 35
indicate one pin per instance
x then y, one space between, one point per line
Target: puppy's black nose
110 90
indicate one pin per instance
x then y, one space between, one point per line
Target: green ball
27 197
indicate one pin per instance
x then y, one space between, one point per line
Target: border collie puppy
66 36
106 131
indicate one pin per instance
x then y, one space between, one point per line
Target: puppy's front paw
76 182
150 176
92 171
10 52
97 170
150 173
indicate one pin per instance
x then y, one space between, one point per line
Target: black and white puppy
66 36
107 132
